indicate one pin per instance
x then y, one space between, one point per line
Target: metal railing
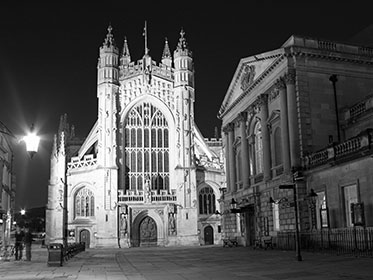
340 241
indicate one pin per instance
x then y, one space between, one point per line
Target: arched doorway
84 236
148 232
209 235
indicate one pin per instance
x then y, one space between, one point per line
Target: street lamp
31 139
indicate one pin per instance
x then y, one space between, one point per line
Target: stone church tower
144 176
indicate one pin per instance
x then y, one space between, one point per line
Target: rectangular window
350 196
276 217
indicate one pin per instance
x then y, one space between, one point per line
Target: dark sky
49 52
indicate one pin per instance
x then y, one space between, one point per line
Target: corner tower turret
183 61
107 90
184 92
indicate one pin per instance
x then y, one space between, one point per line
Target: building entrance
250 225
209 235
85 237
148 232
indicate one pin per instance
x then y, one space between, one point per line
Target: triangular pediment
248 73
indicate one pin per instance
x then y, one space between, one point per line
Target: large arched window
84 203
258 148
207 201
146 148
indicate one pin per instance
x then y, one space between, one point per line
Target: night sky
49 52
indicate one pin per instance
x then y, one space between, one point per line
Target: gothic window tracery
207 203
84 203
146 148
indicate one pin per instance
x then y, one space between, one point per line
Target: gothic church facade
144 176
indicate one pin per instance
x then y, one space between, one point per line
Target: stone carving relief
247 77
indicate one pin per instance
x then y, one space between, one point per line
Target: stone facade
144 176
288 121
7 186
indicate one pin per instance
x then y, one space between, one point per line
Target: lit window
84 203
146 148
258 148
278 146
350 196
276 217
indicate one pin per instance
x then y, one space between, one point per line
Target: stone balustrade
362 142
358 109
138 196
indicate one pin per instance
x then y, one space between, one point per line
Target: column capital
228 128
290 77
261 100
242 116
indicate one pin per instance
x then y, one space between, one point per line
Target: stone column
262 103
280 85
227 171
293 118
232 169
245 171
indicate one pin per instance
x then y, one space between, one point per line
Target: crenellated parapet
134 69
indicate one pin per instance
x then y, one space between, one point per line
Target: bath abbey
144 175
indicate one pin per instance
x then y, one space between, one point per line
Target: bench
230 242
264 243
267 242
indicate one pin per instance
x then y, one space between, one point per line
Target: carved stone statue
147 191
171 224
123 223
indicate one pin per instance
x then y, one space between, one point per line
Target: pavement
197 263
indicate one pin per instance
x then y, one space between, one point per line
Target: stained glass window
146 148
84 203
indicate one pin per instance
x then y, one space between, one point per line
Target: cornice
223 109
322 55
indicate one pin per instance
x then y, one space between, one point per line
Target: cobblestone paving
190 263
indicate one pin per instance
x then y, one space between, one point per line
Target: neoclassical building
144 175
299 116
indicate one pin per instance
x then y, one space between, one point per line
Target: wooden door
85 237
209 235
148 232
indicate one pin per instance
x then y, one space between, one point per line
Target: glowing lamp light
23 211
32 142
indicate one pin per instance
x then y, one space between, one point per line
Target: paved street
190 263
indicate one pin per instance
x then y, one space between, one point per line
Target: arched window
146 148
207 201
258 148
278 146
84 203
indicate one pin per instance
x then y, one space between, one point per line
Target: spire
109 40
182 45
166 50
125 59
126 51
145 34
